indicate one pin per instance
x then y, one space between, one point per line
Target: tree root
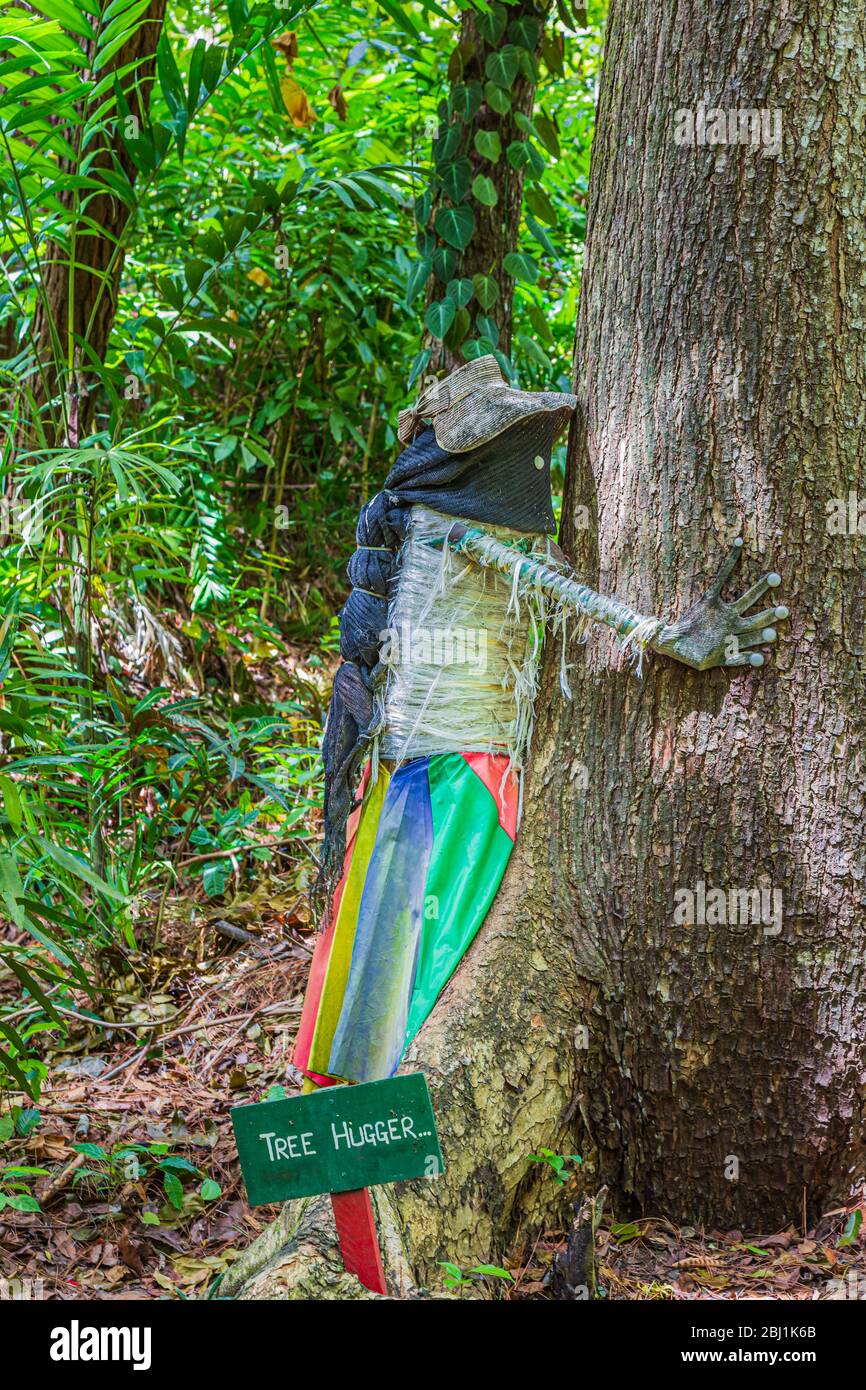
298 1257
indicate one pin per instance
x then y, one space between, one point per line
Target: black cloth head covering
504 482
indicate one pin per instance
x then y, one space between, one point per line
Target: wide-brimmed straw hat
475 404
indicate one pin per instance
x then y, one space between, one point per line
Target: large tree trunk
722 367
710 1072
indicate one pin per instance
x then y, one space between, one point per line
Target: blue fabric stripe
368 1042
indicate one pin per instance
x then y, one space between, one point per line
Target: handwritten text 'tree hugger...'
344 1135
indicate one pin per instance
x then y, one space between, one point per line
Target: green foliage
151 1167
557 1164
457 1278
484 190
852 1229
239 297
191 420
440 316
14 1187
15 1179
488 145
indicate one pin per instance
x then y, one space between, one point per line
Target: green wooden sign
337 1139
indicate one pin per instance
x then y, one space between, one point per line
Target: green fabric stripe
469 855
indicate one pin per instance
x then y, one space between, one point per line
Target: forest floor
130 1153
150 1202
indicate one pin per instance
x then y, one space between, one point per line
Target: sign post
341 1140
359 1242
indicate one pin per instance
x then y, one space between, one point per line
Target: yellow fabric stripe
337 974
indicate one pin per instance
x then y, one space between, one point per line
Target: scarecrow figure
454 581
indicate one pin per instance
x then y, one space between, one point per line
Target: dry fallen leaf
191 1271
164 1281
296 103
130 1253
287 44
337 98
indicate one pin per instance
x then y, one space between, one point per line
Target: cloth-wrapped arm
711 633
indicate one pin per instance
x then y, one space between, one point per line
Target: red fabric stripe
490 767
359 1241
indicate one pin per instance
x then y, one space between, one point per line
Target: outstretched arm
712 633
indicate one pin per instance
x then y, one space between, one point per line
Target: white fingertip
768 634
756 659
774 580
781 611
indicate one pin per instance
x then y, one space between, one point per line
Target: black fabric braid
372 570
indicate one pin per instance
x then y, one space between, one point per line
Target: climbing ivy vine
490 150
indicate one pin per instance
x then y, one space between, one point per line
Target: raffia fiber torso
462 651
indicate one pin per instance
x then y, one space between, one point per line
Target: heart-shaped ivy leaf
461 291
455 225
486 290
522 154
444 263
503 65
484 191
492 25
497 99
455 178
488 144
439 317
465 100
477 347
524 32
445 146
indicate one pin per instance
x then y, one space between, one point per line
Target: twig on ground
238 849
234 933
211 1061
57 1184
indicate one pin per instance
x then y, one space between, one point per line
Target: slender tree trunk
80 282
86 308
497 227
708 1071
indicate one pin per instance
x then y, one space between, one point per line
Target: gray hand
715 633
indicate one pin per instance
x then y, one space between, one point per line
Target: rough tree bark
721 362
720 367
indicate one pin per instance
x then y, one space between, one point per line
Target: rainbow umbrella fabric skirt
425 855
